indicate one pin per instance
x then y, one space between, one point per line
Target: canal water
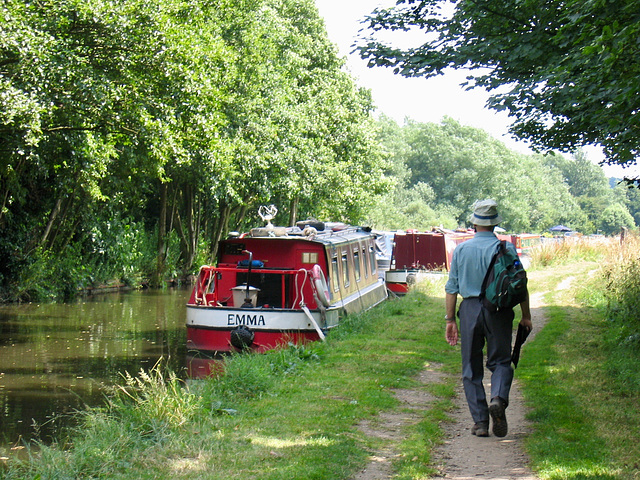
56 358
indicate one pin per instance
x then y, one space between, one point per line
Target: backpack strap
502 244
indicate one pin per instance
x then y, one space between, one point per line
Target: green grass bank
581 375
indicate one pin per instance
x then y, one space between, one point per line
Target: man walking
469 265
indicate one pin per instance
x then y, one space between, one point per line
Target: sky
422 100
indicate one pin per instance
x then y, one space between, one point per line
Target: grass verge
585 423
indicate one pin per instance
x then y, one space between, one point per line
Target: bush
622 295
51 276
622 290
118 251
565 250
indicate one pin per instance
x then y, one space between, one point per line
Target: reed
621 306
570 249
622 290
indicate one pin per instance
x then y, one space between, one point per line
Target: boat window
334 273
365 263
356 264
310 257
233 248
345 269
372 259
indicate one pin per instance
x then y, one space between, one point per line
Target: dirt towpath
462 456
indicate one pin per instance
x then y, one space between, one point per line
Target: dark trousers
477 325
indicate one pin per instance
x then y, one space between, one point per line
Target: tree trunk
161 251
62 218
52 218
293 212
188 229
5 196
242 211
6 186
222 224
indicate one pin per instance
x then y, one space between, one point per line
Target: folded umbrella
521 337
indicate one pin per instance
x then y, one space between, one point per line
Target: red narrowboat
421 255
276 285
524 242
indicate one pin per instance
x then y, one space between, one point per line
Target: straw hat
485 213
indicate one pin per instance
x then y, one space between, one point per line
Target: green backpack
505 283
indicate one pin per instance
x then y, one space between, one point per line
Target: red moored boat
276 285
524 242
421 255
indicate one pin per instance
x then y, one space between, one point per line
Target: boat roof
331 234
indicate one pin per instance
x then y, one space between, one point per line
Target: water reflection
55 358
201 365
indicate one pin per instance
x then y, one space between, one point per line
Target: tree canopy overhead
566 71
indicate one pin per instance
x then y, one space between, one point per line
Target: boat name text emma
234 319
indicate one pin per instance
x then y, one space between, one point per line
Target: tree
443 168
632 201
176 117
299 132
124 93
614 217
567 72
464 164
589 186
583 177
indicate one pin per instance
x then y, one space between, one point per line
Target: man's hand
451 333
526 322
526 314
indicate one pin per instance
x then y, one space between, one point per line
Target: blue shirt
470 263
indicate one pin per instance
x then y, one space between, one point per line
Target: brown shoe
496 410
480 429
